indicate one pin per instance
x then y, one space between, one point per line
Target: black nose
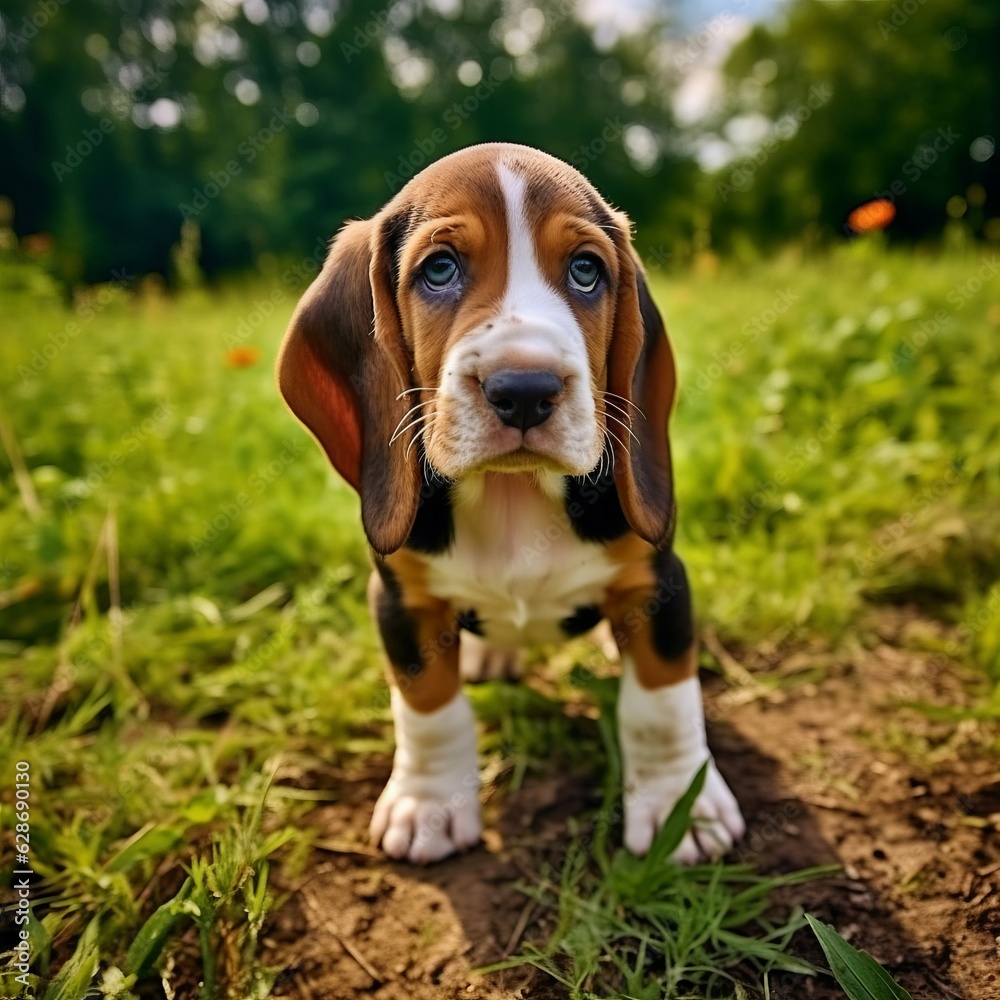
523 399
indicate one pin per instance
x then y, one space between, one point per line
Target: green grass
183 630
647 928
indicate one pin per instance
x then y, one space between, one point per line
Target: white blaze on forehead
533 327
528 296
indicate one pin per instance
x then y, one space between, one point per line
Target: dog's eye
585 272
440 270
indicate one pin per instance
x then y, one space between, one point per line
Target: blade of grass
670 835
80 968
861 977
153 934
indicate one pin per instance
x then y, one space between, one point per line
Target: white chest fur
516 560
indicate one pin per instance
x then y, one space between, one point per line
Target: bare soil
830 766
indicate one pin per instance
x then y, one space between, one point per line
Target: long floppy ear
641 369
341 369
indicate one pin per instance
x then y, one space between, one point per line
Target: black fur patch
669 607
594 509
434 526
582 620
469 620
397 626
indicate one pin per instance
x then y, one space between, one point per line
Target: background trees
268 123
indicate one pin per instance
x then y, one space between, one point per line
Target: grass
183 631
646 928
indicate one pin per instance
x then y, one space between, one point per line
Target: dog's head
493 316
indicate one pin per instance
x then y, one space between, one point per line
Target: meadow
191 675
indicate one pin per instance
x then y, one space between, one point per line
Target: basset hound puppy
483 363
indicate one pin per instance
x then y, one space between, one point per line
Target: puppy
482 361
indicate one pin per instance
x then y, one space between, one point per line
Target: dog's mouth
524 459
510 450
472 433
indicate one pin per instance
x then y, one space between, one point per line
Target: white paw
430 806
663 746
717 824
478 661
426 820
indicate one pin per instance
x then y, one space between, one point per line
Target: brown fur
364 335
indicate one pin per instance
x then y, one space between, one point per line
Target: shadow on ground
829 770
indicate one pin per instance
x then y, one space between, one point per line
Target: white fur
479 661
430 807
533 328
663 745
517 561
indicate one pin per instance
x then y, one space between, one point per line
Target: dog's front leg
661 720
430 807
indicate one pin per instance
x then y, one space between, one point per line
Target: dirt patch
829 767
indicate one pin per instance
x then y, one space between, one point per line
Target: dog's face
506 292
491 317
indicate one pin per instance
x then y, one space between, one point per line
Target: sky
706 32
689 13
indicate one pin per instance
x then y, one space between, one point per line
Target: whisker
418 388
619 440
409 413
595 474
416 437
627 402
399 430
611 416
611 452
621 410
413 423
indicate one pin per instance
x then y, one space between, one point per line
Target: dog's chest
516 565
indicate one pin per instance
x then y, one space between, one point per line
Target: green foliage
829 436
261 129
172 652
649 927
860 975
343 106
79 969
859 101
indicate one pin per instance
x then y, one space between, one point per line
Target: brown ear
341 368
641 369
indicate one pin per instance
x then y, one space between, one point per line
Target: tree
863 100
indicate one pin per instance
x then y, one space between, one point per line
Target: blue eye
440 270
585 272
